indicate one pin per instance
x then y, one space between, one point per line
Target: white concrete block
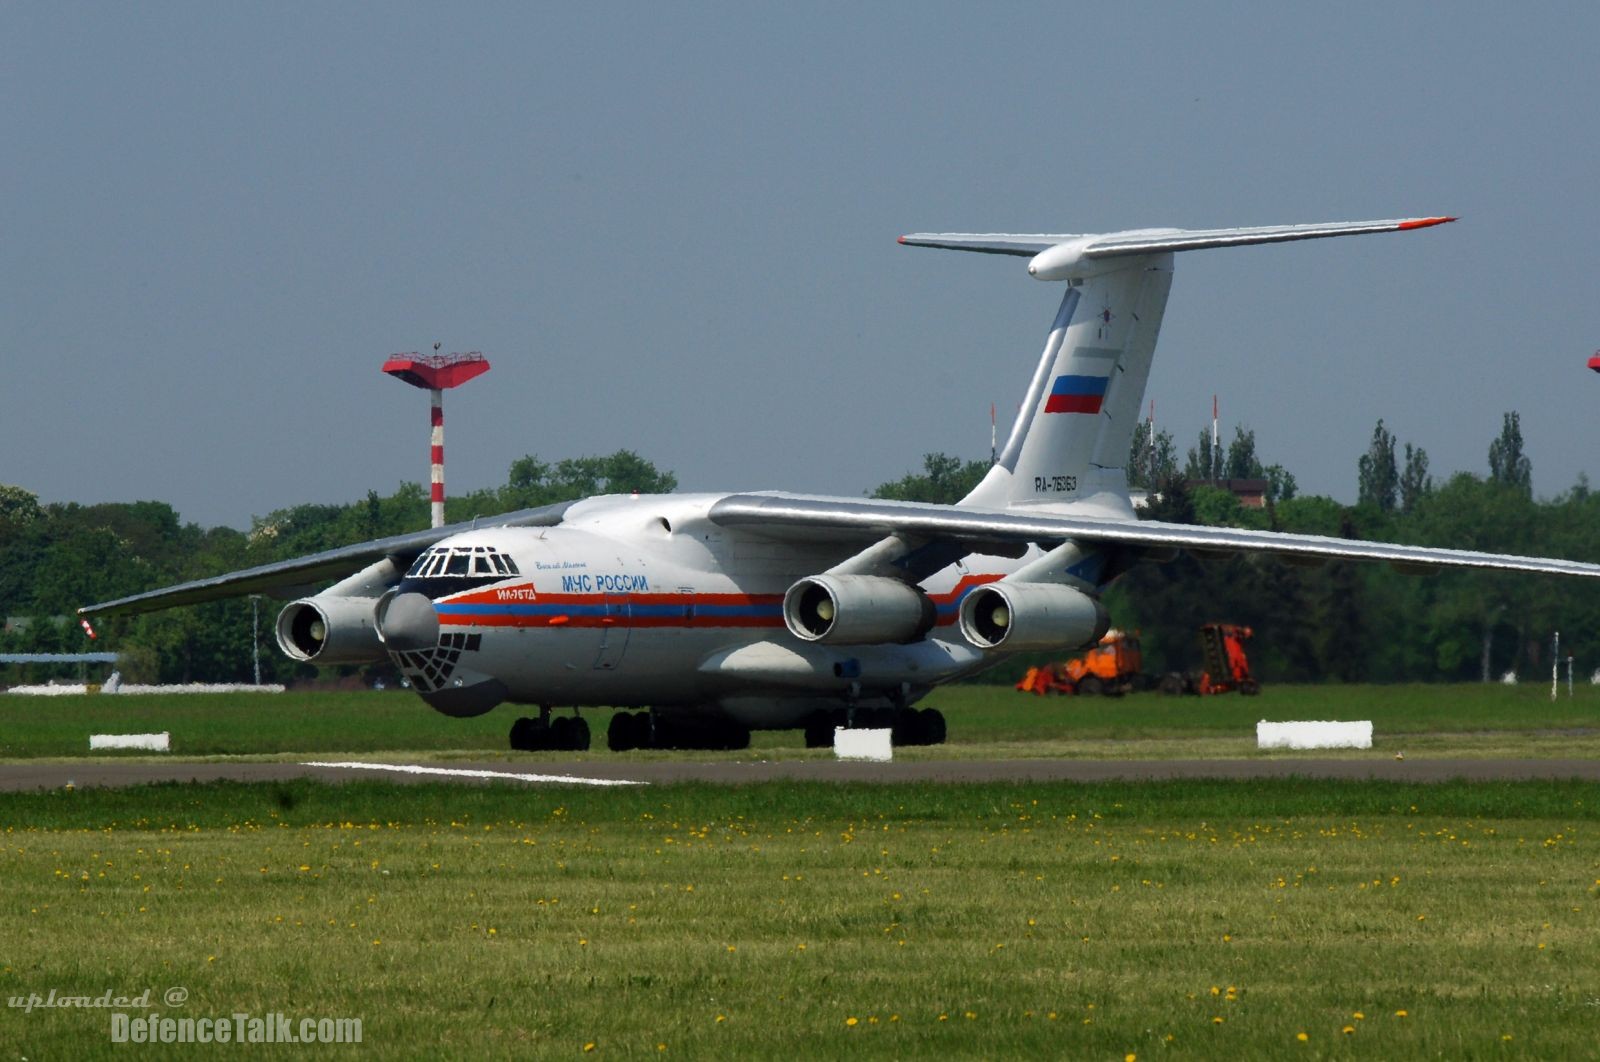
161 742
1322 734
863 744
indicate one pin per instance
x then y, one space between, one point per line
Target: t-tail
1069 445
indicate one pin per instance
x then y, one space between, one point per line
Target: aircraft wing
801 517
317 567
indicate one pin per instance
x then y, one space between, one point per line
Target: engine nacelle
330 630
857 610
1032 616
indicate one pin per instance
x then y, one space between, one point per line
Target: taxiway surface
24 776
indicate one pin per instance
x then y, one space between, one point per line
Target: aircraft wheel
933 728
907 728
819 731
578 735
622 735
735 736
560 734
522 734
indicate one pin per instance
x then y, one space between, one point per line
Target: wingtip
1423 223
901 239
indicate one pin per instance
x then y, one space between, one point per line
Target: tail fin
1071 437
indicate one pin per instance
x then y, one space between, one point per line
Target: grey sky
672 228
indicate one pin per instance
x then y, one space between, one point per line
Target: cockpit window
459 561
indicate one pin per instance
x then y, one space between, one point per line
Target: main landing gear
652 730
567 733
909 726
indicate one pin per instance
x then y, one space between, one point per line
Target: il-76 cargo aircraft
709 615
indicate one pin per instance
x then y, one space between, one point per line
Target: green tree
944 480
1151 461
18 506
1241 461
1415 482
1377 477
1200 462
1508 465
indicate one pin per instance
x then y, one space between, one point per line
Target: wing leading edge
796 516
317 567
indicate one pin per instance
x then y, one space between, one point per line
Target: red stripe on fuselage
689 618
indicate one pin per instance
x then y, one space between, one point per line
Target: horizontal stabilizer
1052 251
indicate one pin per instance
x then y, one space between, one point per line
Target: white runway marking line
465 772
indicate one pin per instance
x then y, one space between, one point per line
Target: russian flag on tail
1076 394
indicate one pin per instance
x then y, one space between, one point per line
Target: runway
21 777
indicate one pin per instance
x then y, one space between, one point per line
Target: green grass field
1176 919
1217 920
985 721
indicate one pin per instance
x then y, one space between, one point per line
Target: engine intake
330 630
857 610
1032 616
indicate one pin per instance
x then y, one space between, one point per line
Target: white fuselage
643 601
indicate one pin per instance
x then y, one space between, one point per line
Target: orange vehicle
1112 667
1227 666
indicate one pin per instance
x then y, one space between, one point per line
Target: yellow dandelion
1401 1014
1358 1016
1130 1057
1217 1020
1302 1037
850 1020
970 1015
1348 1029
944 1017
661 1047
722 1017
1216 991
589 1046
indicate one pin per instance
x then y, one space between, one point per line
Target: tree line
1344 621
1339 621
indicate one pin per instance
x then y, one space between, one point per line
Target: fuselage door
615 626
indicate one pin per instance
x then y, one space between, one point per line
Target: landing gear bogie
561 734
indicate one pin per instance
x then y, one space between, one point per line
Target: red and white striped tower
436 457
436 374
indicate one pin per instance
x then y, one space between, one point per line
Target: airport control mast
436 373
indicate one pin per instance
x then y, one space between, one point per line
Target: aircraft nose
408 623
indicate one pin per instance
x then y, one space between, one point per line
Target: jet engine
857 610
330 630
1032 616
